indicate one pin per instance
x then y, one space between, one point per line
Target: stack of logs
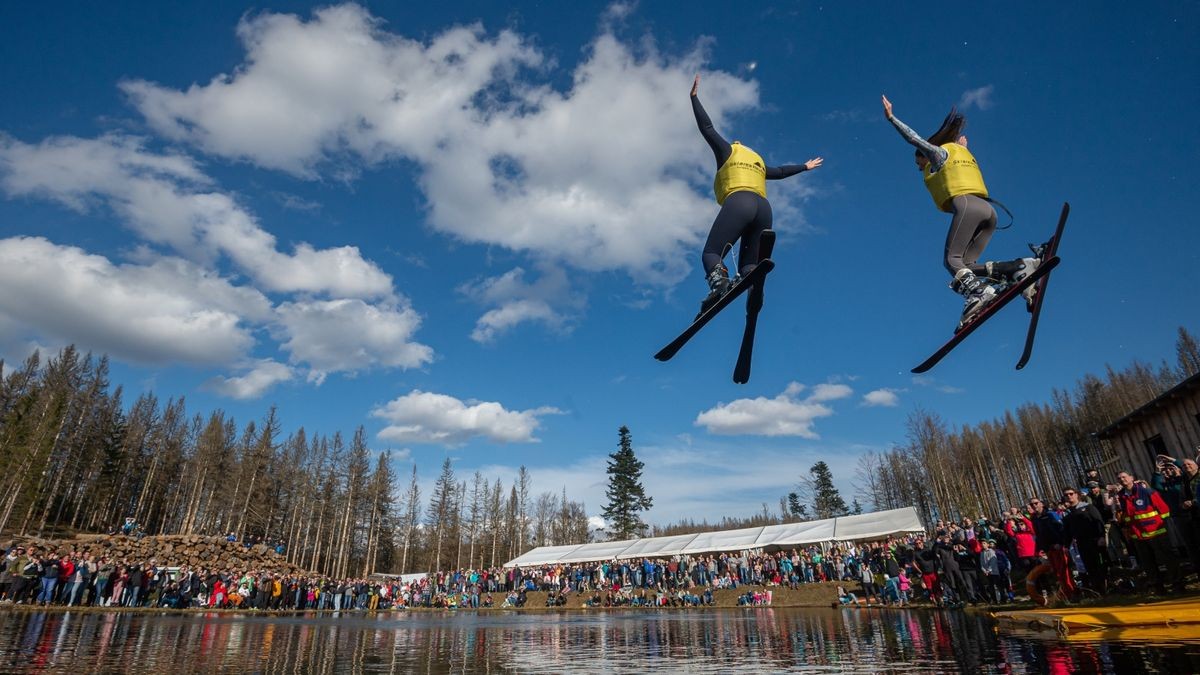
213 553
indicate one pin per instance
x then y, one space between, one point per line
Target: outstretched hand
887 107
813 163
696 84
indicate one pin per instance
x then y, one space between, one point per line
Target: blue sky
469 227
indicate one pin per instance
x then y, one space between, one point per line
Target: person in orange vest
955 182
1143 513
741 189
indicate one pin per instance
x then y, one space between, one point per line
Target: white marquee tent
848 528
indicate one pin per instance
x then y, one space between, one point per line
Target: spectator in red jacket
1020 529
1144 515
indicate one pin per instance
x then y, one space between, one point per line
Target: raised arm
778 172
720 147
936 156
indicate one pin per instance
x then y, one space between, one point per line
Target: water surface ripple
718 641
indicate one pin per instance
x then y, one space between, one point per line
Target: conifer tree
412 518
438 517
1187 351
796 509
626 496
827 502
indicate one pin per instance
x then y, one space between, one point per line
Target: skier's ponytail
952 127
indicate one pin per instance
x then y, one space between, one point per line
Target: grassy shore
806 595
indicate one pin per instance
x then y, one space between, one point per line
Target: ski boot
718 284
976 294
1014 271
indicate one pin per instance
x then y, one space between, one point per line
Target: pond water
716 641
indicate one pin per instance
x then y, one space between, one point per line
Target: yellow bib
960 175
744 170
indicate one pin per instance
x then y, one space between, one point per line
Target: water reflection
758 640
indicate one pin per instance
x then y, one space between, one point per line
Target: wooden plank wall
1175 420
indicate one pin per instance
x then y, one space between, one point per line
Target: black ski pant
955 580
1093 561
744 215
1154 552
971 585
20 589
1190 526
971 229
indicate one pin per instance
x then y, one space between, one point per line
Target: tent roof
604 550
727 540
657 546
542 555
847 528
875 525
794 534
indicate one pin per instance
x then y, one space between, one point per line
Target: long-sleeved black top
1083 524
722 149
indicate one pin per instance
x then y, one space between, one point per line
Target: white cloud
350 335
169 310
166 199
980 97
934 383
516 301
504 159
618 11
425 417
784 415
881 397
259 378
510 314
400 455
829 392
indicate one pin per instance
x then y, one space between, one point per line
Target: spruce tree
827 502
626 496
795 508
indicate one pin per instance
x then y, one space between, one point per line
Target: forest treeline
73 457
978 469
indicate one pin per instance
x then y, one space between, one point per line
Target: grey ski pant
971 229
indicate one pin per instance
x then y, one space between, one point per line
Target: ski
734 293
994 306
754 303
1050 250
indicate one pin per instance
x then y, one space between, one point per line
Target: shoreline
808 596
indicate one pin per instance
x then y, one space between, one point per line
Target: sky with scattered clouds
469 227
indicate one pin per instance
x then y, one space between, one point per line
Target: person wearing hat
955 182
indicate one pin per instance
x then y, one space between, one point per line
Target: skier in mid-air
741 189
955 182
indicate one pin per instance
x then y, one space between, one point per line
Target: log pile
196 551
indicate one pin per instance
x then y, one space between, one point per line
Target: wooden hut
1167 425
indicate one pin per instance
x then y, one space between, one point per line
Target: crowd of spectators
1126 535
1088 539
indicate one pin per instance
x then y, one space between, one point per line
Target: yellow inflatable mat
1174 619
